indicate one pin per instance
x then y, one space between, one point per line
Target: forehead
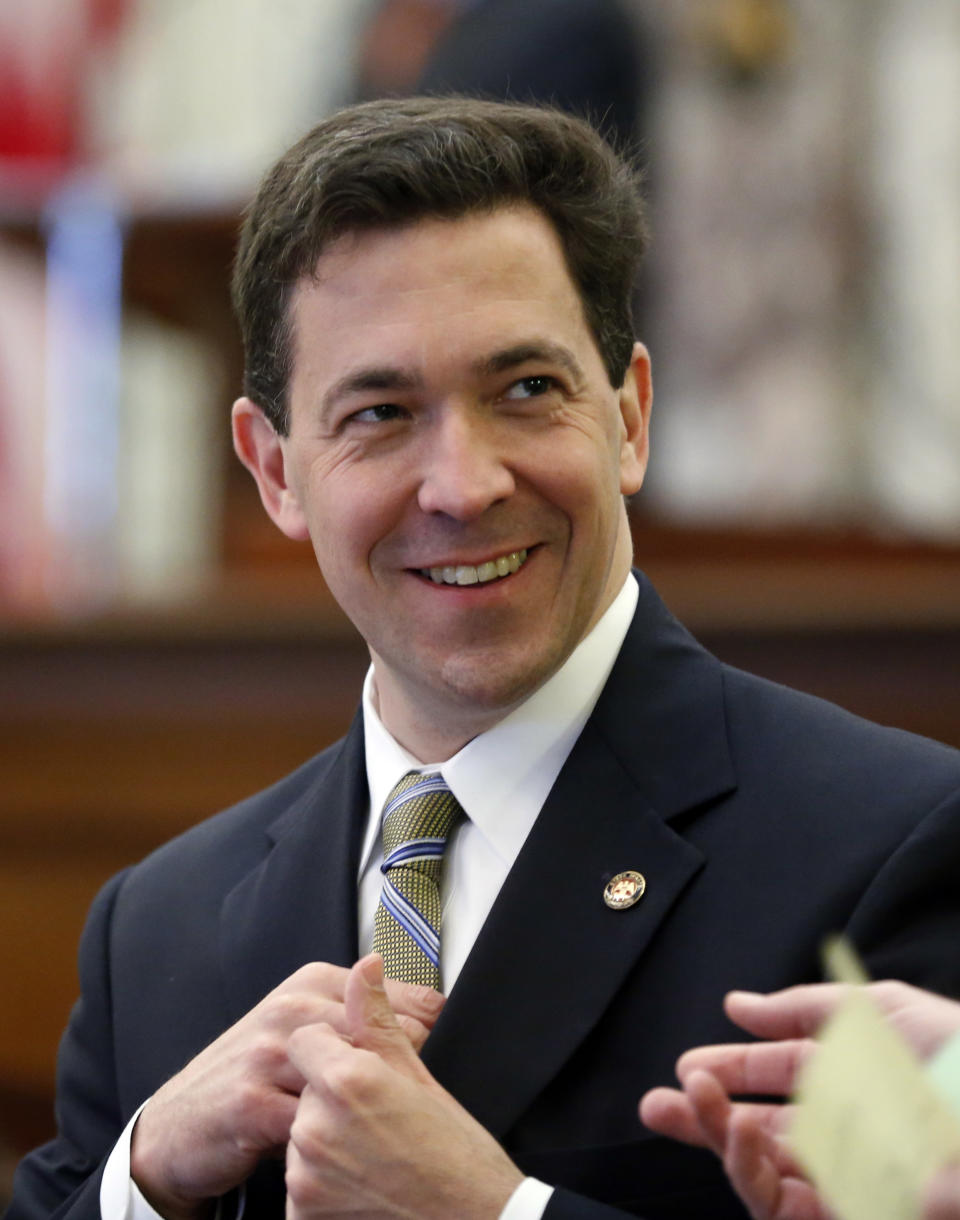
436 288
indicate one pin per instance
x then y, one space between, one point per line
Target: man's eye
531 387
382 413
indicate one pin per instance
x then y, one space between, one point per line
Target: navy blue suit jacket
761 818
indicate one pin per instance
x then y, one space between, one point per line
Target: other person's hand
942 1201
790 1018
748 1136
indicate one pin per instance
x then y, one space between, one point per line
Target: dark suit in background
586 57
761 818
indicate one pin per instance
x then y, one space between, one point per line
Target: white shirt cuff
120 1198
528 1201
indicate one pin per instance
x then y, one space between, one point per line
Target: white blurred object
205 93
170 488
913 438
23 539
84 284
756 384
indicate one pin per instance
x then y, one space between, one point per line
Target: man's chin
467 692
497 679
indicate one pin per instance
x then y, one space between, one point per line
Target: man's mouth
467 574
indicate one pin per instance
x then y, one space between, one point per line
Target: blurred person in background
590 57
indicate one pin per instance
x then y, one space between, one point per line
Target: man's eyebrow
377 377
385 378
521 353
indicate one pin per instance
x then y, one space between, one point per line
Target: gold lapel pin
624 890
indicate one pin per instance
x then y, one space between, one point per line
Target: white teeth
466 574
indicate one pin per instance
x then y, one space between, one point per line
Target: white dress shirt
501 779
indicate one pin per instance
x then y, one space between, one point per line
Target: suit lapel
551 955
551 952
299 904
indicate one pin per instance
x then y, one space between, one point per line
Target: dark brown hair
388 163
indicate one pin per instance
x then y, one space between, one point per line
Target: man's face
449 413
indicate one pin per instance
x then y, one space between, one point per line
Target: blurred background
164 651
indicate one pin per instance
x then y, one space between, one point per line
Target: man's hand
755 1156
375 1135
204 1131
790 1017
942 1201
748 1136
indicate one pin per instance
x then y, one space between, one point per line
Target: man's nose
464 467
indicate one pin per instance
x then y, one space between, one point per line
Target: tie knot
417 818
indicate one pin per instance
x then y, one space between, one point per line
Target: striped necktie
417 818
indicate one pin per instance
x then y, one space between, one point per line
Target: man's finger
372 1022
795 1012
764 1178
751 1173
421 1003
669 1112
756 1067
711 1106
416 1033
310 1045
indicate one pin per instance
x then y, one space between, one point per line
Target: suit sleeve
62 1178
907 923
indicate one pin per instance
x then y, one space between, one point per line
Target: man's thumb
372 1022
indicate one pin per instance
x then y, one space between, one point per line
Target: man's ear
636 402
259 446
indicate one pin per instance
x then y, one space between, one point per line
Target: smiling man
459 457
553 807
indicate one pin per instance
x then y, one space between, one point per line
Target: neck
431 735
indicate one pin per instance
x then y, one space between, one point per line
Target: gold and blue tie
417 818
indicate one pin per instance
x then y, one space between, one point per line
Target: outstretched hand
749 1141
375 1135
749 1136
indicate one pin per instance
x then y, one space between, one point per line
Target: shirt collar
503 776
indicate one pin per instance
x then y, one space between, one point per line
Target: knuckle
290 1010
890 995
299 1181
322 977
349 1078
249 1097
299 1008
308 1137
415 1030
415 999
267 1056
